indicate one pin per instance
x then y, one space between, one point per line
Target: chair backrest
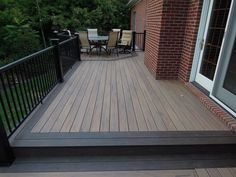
117 30
126 37
92 33
112 39
83 36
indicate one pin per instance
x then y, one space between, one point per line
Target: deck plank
72 114
225 172
213 172
160 101
122 95
142 125
85 127
132 122
232 171
82 109
199 110
151 124
70 83
114 116
123 121
134 173
67 108
105 120
177 105
150 111
202 173
96 120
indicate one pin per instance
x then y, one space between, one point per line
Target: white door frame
221 61
200 36
198 54
199 78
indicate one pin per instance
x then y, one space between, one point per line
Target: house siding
171 36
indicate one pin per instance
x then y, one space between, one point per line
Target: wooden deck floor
210 172
121 96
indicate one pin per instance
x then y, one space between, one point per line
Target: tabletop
98 38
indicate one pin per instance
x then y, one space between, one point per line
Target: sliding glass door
211 42
225 81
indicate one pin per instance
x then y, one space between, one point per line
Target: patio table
98 41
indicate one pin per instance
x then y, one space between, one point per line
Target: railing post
134 40
6 152
144 40
58 63
78 46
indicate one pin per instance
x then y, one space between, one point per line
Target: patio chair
111 44
126 41
92 33
83 36
117 30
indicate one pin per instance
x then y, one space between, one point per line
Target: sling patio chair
92 32
111 44
126 41
83 36
117 30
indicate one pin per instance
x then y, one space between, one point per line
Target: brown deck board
54 104
120 96
142 126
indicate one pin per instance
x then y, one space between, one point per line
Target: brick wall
190 37
171 34
153 30
140 19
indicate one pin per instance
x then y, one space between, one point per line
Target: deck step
68 160
124 151
135 143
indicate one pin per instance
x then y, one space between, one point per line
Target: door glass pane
230 78
215 35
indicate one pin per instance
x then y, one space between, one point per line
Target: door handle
202 44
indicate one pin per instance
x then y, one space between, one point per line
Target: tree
18 37
25 25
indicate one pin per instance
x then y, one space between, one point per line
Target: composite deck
210 172
122 96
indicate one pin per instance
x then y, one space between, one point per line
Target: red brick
171 35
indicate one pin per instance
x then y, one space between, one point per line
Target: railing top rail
11 65
68 40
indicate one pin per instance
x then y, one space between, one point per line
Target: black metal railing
69 53
139 41
62 36
25 83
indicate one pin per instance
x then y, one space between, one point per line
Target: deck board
214 172
122 96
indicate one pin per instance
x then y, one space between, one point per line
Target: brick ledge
218 111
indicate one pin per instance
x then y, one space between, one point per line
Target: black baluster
7 99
